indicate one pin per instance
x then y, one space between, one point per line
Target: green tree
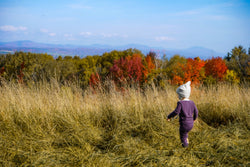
239 61
33 63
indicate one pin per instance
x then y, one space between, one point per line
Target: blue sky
216 24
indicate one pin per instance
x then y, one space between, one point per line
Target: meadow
48 124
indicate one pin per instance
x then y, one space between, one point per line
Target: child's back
187 112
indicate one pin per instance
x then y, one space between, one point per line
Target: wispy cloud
79 6
212 12
52 34
12 28
228 4
107 35
112 35
86 34
188 12
217 17
164 38
47 32
103 35
68 35
44 30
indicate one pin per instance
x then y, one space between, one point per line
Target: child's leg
184 129
184 137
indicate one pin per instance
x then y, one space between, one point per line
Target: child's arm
195 112
175 112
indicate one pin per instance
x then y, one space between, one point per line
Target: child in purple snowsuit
186 110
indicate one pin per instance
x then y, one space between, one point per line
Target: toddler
186 110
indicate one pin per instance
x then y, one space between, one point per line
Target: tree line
126 67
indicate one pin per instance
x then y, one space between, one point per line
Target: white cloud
44 30
101 35
112 35
68 35
86 34
22 28
12 28
47 32
52 34
164 38
124 36
105 35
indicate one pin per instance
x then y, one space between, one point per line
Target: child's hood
184 90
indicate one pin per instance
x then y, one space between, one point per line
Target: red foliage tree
94 80
128 69
216 67
2 70
21 75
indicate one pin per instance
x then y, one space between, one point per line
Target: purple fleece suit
187 112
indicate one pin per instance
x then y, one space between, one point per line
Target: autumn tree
149 65
231 77
174 69
215 67
94 80
128 69
154 59
107 60
193 70
2 70
190 71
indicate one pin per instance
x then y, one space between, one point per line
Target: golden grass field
47 124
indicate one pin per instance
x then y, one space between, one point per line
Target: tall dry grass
47 124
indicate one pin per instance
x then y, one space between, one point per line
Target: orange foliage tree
190 71
215 67
193 70
149 66
178 74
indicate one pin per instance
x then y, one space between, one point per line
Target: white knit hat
184 90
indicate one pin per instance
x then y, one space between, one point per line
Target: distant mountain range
97 49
